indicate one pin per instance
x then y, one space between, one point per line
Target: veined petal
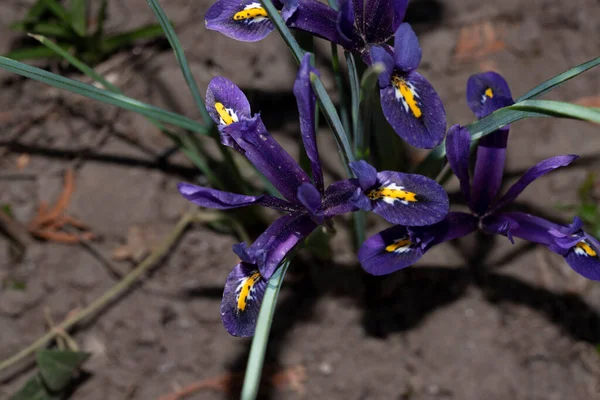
252 139
244 20
408 199
454 225
377 20
366 174
407 51
212 198
414 109
225 102
337 199
346 27
305 97
538 170
484 87
310 198
316 18
273 245
458 141
389 251
242 297
584 257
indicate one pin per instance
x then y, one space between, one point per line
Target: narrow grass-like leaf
558 109
113 42
261 335
334 122
181 59
559 80
30 53
35 11
78 17
354 97
58 10
339 83
43 28
100 19
104 96
283 30
368 92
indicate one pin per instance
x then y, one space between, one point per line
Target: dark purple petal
381 55
455 225
212 198
408 199
258 146
414 109
337 199
538 170
389 251
242 297
244 20
458 141
407 51
310 198
345 26
305 97
366 174
483 87
378 19
225 102
318 19
273 245
584 258
489 169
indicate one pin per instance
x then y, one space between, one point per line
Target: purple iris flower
398 247
305 201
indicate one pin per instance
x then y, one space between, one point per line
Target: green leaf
57 367
58 10
558 109
34 389
261 335
104 96
54 30
559 80
147 32
35 11
283 30
30 53
588 213
78 16
167 27
100 19
354 97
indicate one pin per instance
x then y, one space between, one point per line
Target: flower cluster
417 205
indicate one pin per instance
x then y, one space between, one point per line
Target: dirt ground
477 319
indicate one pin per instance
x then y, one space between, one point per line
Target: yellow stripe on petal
584 249
253 11
227 115
406 93
489 93
245 290
399 246
392 193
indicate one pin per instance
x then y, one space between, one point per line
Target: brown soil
477 319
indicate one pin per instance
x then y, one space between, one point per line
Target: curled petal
584 257
318 19
244 20
273 245
454 225
366 174
414 109
212 198
225 102
408 199
310 198
252 139
379 54
407 51
485 88
538 170
242 297
458 142
389 251
306 100
337 199
345 25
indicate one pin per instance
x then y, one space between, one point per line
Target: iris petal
251 138
389 251
242 297
584 258
414 109
458 142
535 172
244 20
337 198
485 87
408 199
306 99
225 102
407 51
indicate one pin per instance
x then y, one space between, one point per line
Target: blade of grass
58 10
339 83
354 96
35 11
181 59
367 94
78 16
113 42
100 19
261 335
184 143
558 109
101 95
30 53
283 30
43 28
559 80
